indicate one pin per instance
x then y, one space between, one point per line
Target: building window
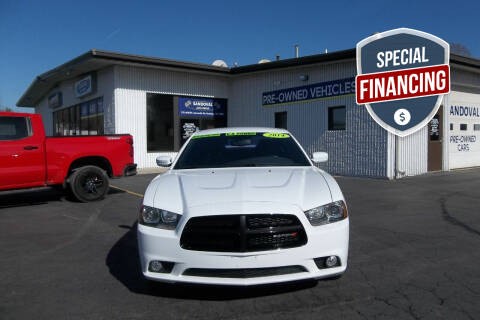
160 133
463 127
476 127
281 120
337 118
451 126
82 119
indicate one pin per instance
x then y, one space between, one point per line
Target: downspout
395 172
398 174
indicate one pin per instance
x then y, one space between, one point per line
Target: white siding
446 134
465 92
412 153
463 145
132 85
107 87
391 156
360 150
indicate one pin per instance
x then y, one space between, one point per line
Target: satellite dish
264 61
220 63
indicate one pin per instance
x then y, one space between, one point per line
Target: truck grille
243 233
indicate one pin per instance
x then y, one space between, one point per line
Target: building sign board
197 107
315 91
188 127
464 111
464 136
434 128
84 86
402 77
55 100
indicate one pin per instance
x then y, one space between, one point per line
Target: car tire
89 183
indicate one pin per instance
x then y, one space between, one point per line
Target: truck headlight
158 218
328 213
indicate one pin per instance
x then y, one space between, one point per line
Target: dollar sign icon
402 117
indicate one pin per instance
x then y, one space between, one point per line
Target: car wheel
89 183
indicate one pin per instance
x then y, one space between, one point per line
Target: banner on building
202 107
315 91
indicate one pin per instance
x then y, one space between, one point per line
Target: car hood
180 190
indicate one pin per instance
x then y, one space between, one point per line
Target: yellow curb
127 191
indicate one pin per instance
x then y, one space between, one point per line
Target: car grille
243 233
244 273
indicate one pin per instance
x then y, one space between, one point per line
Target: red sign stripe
402 84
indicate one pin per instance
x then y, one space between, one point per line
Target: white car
242 206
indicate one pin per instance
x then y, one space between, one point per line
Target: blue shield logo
403 75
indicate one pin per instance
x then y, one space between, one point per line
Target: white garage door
464 130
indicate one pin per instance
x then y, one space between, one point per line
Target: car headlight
158 218
328 213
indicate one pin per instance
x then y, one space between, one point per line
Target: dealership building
161 102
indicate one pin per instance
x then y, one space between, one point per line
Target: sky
36 36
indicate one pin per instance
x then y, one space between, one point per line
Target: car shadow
123 263
39 196
31 197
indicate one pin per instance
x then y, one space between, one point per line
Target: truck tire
89 183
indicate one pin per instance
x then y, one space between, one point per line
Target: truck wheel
89 183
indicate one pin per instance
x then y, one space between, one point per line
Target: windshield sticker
206 136
234 134
276 135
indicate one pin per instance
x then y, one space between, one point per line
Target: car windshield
241 149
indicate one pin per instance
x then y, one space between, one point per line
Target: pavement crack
76 237
467 314
433 292
454 221
410 309
367 279
449 278
358 312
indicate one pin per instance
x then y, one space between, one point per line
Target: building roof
99 59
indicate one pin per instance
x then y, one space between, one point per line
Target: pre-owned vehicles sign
402 77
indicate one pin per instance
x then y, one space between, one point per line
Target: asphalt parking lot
414 254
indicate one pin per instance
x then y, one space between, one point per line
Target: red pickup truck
83 164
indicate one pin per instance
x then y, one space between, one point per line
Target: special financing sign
402 77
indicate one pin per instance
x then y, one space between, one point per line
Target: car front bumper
249 268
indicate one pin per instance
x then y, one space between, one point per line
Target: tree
7 109
460 49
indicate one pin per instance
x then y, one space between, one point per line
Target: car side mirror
164 161
318 157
